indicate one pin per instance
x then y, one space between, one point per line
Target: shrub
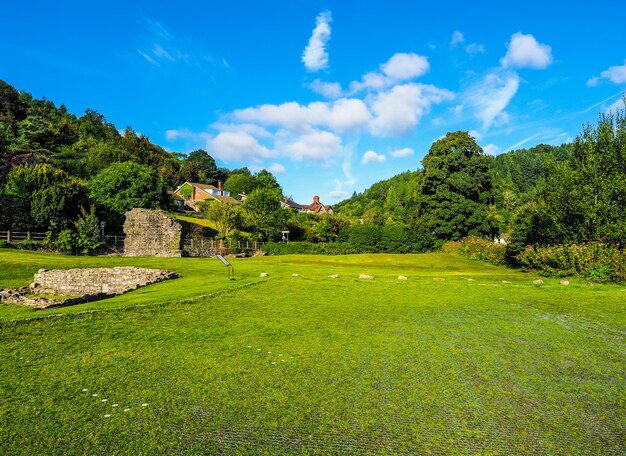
366 238
66 242
3 244
308 248
27 244
594 261
477 248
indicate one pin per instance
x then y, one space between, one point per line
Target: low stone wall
153 233
82 281
83 285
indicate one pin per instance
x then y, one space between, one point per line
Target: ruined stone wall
152 233
88 281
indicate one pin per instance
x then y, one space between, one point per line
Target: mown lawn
288 365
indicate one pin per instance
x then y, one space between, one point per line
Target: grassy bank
461 358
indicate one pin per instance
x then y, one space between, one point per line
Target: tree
54 197
265 179
201 168
456 189
265 213
584 200
238 184
227 217
124 186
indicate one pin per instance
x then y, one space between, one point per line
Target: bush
366 238
596 262
27 244
66 242
477 248
3 244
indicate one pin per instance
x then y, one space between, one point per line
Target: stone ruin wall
75 286
91 281
153 233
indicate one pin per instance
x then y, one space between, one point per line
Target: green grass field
451 361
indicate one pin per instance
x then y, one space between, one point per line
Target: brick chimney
220 187
316 199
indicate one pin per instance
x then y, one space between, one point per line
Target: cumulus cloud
616 74
491 95
491 149
315 57
276 168
399 110
316 146
237 146
372 157
457 38
524 51
326 89
400 153
400 67
254 130
342 115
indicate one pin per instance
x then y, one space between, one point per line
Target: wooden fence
194 246
16 236
208 247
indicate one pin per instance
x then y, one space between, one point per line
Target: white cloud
403 66
315 57
491 149
400 67
525 52
326 89
316 146
184 133
400 153
276 168
237 146
342 115
616 74
614 107
457 38
491 95
372 157
252 129
399 110
475 48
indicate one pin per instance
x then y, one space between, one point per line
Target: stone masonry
152 233
82 285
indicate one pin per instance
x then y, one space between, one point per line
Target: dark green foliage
366 238
54 198
124 186
199 167
456 189
15 214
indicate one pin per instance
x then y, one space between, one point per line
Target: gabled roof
226 199
200 186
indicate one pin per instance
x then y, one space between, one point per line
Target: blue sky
331 96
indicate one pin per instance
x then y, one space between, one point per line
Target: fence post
9 236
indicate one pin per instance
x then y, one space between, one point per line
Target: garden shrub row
477 248
594 261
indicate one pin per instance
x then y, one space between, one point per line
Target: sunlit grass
451 361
